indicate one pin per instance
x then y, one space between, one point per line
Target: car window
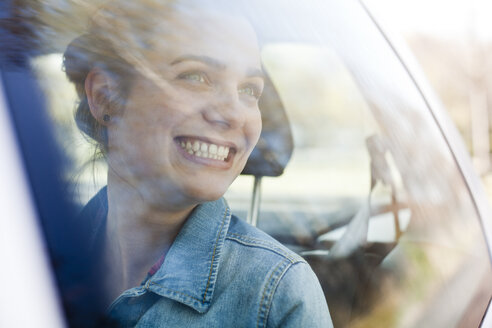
371 195
370 171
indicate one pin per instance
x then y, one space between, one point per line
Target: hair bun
77 61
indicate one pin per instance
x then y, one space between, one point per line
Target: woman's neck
137 235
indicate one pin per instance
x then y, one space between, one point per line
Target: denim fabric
222 272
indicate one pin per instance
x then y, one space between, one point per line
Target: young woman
170 94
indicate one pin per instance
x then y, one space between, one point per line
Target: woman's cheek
255 128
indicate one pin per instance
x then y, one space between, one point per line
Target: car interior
345 266
351 172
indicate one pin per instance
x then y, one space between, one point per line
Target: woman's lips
206 149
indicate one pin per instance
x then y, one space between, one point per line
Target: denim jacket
222 272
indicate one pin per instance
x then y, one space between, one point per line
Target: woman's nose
224 112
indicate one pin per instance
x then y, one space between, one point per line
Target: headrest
275 146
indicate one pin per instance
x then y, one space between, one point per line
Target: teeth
196 146
205 150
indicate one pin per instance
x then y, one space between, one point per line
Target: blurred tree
460 72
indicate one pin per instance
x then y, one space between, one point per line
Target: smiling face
182 138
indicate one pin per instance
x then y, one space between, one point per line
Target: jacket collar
189 272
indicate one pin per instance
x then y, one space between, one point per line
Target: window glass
363 176
87 172
370 194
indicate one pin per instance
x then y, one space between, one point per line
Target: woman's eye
194 77
252 91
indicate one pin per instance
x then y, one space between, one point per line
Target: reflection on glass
171 94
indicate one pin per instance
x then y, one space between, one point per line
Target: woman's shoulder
288 292
245 235
253 254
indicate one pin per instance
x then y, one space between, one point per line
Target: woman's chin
206 195
205 189
184 196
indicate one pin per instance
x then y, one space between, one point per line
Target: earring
106 118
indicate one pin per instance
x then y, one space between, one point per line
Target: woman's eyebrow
256 72
204 59
253 72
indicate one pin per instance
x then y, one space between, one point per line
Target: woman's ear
99 88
